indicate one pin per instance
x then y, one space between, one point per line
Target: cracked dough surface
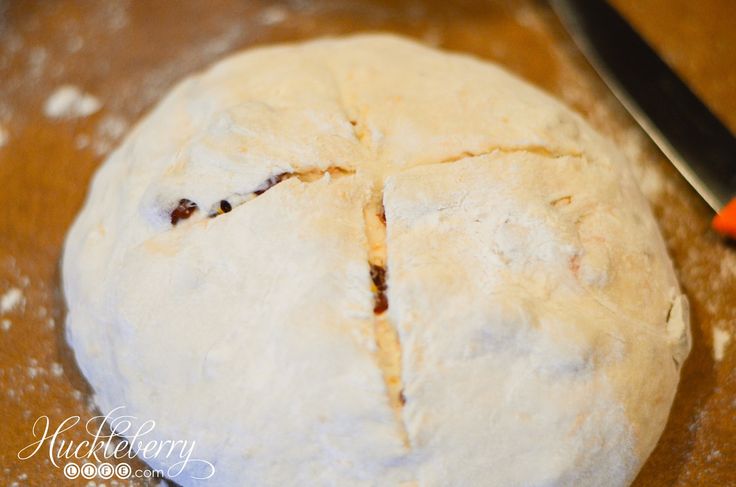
540 325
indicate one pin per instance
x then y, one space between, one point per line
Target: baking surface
126 55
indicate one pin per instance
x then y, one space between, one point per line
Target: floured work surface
74 77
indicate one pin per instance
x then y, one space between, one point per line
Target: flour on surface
109 131
3 136
57 369
32 372
10 300
728 265
721 339
82 141
273 14
68 101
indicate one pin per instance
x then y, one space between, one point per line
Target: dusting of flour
11 300
68 101
721 339
272 15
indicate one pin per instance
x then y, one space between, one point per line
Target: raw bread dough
534 331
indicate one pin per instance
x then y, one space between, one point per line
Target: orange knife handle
725 221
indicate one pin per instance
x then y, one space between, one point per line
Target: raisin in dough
392 266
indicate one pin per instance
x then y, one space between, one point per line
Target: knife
684 129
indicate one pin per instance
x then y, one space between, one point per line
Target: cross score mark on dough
388 344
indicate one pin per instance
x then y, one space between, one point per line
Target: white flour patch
115 14
274 14
109 131
528 17
3 136
650 179
222 42
721 339
10 300
728 264
56 369
70 102
6 324
82 141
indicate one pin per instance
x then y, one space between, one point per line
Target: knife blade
685 130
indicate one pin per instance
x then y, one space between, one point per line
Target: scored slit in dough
388 345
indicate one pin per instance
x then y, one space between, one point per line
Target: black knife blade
684 129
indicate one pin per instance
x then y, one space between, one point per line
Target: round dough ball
362 261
